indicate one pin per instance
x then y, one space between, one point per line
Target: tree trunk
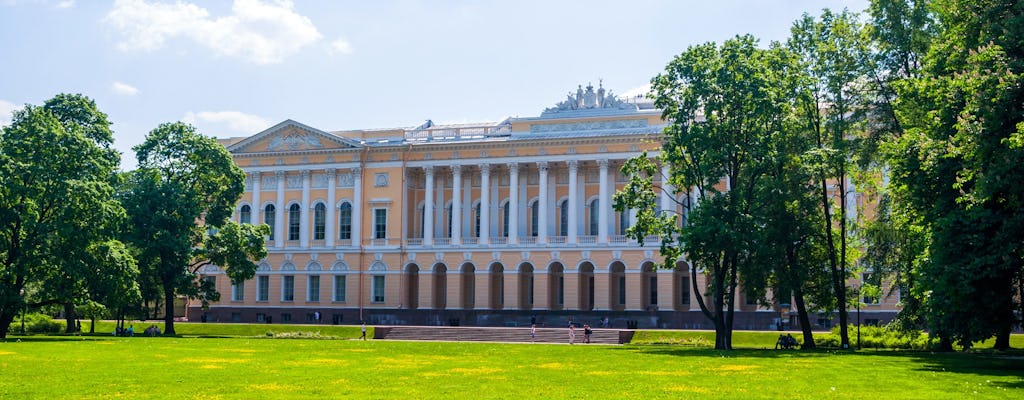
6 318
69 317
168 310
1003 337
805 320
841 282
92 325
837 282
945 344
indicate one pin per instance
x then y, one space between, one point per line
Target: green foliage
884 337
42 323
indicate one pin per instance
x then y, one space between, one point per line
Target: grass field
259 367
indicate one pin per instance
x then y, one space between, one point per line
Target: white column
542 203
281 212
257 211
513 203
485 203
304 227
667 204
330 222
428 207
603 200
574 201
357 206
456 204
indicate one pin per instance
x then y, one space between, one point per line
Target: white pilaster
357 206
574 204
304 226
257 211
330 223
456 204
513 203
667 204
485 203
280 211
542 203
428 207
603 200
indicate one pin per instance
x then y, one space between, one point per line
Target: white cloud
236 121
66 4
256 31
6 112
124 89
342 46
637 91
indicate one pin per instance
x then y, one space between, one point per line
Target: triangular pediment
291 136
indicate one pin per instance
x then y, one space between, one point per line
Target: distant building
493 223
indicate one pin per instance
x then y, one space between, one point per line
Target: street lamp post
24 307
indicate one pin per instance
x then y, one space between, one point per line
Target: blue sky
234 68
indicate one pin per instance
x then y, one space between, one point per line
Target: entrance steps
498 334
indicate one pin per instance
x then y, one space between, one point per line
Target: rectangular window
286 317
313 288
561 290
654 290
684 290
268 218
236 317
238 291
345 225
378 289
262 288
293 222
622 290
339 288
380 223
261 317
319 222
288 288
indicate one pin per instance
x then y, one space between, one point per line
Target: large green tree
961 161
723 104
834 50
56 200
180 201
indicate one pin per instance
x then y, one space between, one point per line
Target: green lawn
245 368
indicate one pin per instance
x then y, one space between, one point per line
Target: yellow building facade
497 223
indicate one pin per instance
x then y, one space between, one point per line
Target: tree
961 161
56 169
723 104
179 201
834 53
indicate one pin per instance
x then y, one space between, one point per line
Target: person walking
572 334
364 330
533 333
586 333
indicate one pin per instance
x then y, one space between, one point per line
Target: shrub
880 337
40 323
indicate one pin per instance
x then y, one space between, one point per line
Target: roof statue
589 99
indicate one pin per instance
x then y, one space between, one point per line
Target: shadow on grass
982 363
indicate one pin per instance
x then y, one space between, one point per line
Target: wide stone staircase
498 334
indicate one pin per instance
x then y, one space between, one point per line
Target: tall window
622 290
378 289
313 288
293 222
288 288
345 218
594 211
448 211
533 219
319 221
339 288
262 288
653 284
684 290
423 219
380 223
561 290
238 291
245 215
504 218
563 218
269 217
623 222
476 220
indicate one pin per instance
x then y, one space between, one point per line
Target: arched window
319 221
293 222
563 218
345 219
594 211
504 219
533 219
245 215
476 220
269 215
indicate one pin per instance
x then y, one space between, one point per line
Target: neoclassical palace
494 223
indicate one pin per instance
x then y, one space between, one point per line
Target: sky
235 68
